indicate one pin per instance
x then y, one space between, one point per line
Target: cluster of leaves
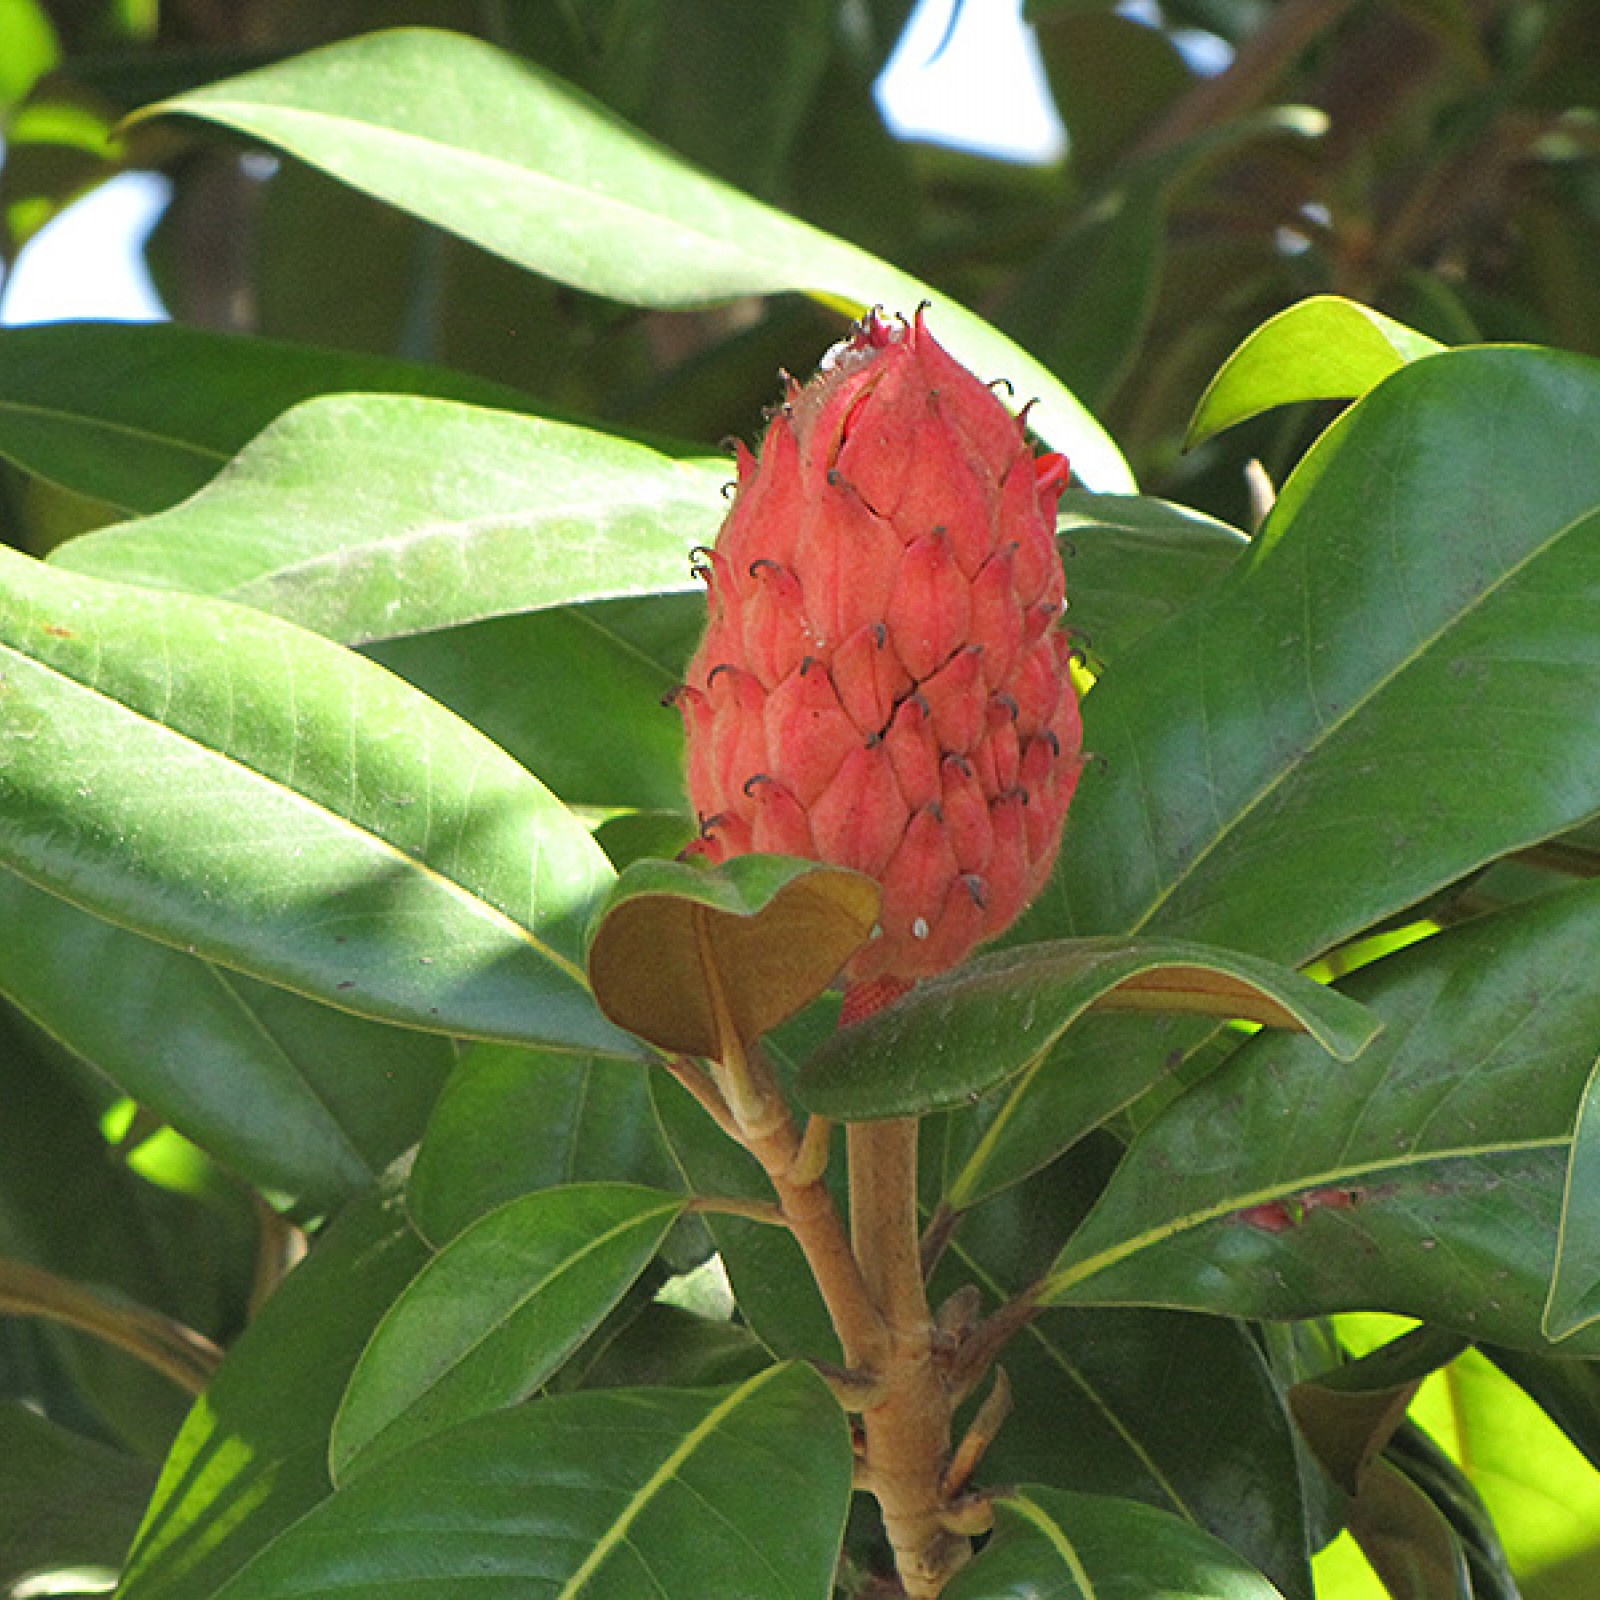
314 771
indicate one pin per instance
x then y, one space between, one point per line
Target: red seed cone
882 683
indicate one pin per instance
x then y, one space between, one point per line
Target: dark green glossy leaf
759 935
141 416
65 1501
1232 801
506 155
367 516
1239 745
302 1100
667 1347
1175 1410
1133 563
1323 348
1085 1547
960 1033
1426 1177
495 1313
512 1121
252 1458
603 1496
217 779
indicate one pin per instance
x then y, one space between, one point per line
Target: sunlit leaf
507 155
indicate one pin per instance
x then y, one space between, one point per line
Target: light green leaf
221 781
605 1496
1323 348
495 1313
503 153
365 517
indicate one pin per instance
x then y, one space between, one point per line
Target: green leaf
252 1458
218 780
512 1121
304 1101
961 1033
763 935
1425 1178
495 1313
368 516
1233 801
504 154
141 416
615 744
606 1496
1086 1547
1574 1299
1178 1411
1133 563
65 1501
1322 348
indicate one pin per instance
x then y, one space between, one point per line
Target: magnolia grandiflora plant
527 1209
883 686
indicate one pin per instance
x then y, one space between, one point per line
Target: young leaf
140 416
217 780
1426 1177
681 1494
495 1313
502 153
1322 348
767 933
366 517
961 1033
1086 1546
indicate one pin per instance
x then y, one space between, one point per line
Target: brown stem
908 1430
753 1109
1261 60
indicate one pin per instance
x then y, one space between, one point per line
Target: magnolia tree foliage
421 1166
